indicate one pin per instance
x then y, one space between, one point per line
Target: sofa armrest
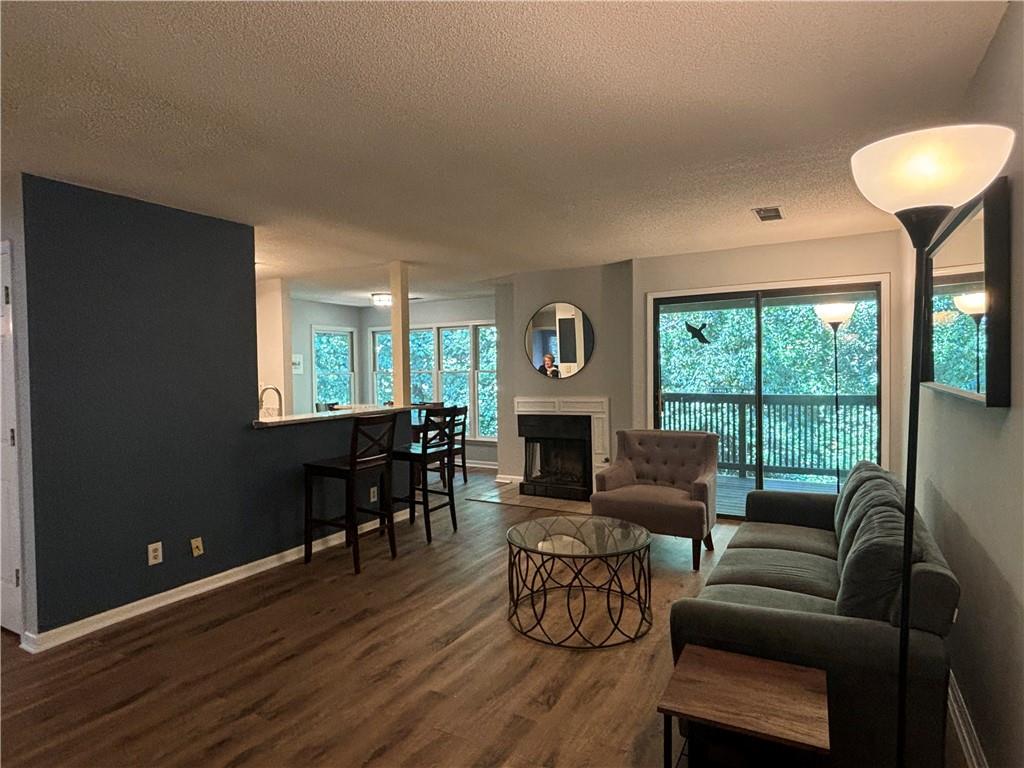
618 474
811 510
704 489
841 645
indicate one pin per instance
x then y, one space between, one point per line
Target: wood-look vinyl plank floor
411 663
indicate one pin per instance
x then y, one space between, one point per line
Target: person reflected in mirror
548 367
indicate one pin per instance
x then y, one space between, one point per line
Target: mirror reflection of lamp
920 177
834 315
975 305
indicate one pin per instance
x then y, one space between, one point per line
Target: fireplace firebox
558 456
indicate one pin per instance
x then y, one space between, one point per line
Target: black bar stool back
371 448
436 445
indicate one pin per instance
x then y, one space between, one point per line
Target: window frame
436 328
353 373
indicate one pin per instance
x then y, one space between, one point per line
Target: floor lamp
974 305
920 177
834 315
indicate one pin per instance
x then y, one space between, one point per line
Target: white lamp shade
971 303
380 299
839 312
936 166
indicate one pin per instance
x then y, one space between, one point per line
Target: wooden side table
741 708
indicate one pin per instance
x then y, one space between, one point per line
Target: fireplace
558 456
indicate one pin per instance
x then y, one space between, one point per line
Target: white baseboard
481 464
44 641
509 478
964 727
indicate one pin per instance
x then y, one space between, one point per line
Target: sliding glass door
760 369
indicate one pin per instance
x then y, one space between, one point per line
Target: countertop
343 413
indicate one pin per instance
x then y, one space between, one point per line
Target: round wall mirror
559 340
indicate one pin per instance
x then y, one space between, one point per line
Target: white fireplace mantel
594 407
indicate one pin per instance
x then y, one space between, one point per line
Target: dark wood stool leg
696 554
667 750
451 493
384 494
444 473
352 520
426 503
465 475
709 542
412 493
308 515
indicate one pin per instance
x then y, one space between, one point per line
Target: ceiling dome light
935 167
380 299
971 303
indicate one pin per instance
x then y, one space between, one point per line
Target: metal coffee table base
553 598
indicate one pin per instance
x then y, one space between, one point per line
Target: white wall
306 314
971 466
273 341
12 228
603 293
847 258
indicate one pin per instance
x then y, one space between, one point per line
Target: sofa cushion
869 487
795 538
766 597
778 569
871 572
658 508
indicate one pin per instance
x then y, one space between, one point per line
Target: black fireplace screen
558 456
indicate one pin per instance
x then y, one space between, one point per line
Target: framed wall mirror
559 340
967 340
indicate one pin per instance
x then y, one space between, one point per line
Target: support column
399 272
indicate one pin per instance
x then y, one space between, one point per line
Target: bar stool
370 454
436 445
459 449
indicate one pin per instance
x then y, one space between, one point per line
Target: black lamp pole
835 359
921 224
977 352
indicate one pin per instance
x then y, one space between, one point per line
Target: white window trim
353 354
436 329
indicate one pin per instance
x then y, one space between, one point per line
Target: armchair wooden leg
696 554
709 543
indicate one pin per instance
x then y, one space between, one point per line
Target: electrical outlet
373 494
155 552
197 546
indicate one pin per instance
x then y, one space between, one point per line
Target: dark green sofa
814 579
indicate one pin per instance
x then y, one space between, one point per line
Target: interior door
706 379
10 510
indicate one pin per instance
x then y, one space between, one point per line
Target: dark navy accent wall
142 336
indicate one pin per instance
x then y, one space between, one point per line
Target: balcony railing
799 430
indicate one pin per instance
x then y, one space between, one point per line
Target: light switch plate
197 546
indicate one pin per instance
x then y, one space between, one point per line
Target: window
383 381
456 368
333 370
454 364
487 380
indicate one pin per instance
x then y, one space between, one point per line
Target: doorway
796 404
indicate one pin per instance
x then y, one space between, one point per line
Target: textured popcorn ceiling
476 140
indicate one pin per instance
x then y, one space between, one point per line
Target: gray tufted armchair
664 481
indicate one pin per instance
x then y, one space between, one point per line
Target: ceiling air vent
771 213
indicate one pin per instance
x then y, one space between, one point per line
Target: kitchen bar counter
342 413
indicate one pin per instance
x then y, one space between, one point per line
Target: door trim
884 279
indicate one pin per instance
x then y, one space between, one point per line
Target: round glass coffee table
579 581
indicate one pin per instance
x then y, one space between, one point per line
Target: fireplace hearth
558 456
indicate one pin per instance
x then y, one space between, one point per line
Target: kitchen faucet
280 399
